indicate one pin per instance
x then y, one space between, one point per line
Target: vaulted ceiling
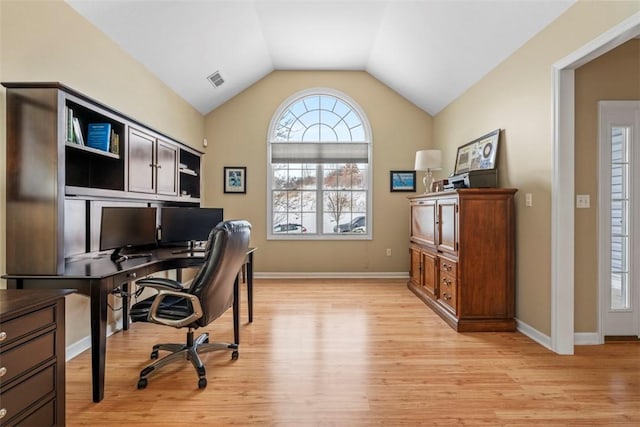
428 51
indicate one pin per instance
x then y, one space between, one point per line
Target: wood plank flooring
357 353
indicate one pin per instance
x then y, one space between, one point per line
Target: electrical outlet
388 251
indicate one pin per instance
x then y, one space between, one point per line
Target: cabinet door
423 222
142 168
415 272
429 272
448 225
167 168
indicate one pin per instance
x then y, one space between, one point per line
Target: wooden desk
95 275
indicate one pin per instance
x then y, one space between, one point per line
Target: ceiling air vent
216 79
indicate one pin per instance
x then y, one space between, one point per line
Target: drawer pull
3 372
3 336
133 275
446 281
3 412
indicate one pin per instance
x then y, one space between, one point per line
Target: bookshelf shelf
75 146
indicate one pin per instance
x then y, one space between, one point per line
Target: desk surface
98 265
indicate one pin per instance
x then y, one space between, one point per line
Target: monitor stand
116 256
190 249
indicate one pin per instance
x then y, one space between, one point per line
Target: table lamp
428 161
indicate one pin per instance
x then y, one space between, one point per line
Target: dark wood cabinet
52 178
32 357
463 257
153 164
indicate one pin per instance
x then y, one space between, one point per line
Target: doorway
563 188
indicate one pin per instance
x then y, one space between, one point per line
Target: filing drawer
18 360
41 417
448 266
17 328
28 392
448 292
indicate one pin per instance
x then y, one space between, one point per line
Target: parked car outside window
289 228
357 225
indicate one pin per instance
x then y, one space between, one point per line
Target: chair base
191 350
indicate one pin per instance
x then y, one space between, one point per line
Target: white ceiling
428 51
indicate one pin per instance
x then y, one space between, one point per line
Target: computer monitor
182 225
122 227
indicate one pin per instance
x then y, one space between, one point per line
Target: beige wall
49 41
517 97
613 76
237 135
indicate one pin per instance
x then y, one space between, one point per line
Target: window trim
269 181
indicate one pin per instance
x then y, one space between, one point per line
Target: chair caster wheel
202 383
154 354
235 355
142 383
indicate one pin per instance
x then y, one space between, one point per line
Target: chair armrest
159 283
179 323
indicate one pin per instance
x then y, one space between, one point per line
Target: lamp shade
428 160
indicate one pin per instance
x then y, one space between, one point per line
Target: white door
619 218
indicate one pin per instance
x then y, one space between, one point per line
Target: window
319 172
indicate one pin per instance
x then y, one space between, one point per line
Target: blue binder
99 136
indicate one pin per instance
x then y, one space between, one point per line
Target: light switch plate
583 201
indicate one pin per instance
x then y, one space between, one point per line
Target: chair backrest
224 255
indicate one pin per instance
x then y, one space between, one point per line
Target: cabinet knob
158 166
3 336
151 165
3 371
3 412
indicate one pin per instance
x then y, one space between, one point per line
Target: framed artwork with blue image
402 181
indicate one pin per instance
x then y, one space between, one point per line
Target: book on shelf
99 136
77 131
68 121
115 143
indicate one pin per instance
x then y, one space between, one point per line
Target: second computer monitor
185 225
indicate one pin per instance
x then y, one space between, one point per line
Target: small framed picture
235 179
402 180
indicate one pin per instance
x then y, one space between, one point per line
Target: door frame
563 173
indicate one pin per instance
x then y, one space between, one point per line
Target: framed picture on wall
402 180
235 179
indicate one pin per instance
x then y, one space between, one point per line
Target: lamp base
427 181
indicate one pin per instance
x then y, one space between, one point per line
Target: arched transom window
319 168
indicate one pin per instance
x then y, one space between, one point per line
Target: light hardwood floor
358 353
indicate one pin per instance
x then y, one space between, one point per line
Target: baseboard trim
84 344
586 338
332 275
579 338
534 334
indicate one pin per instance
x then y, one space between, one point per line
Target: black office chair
207 298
